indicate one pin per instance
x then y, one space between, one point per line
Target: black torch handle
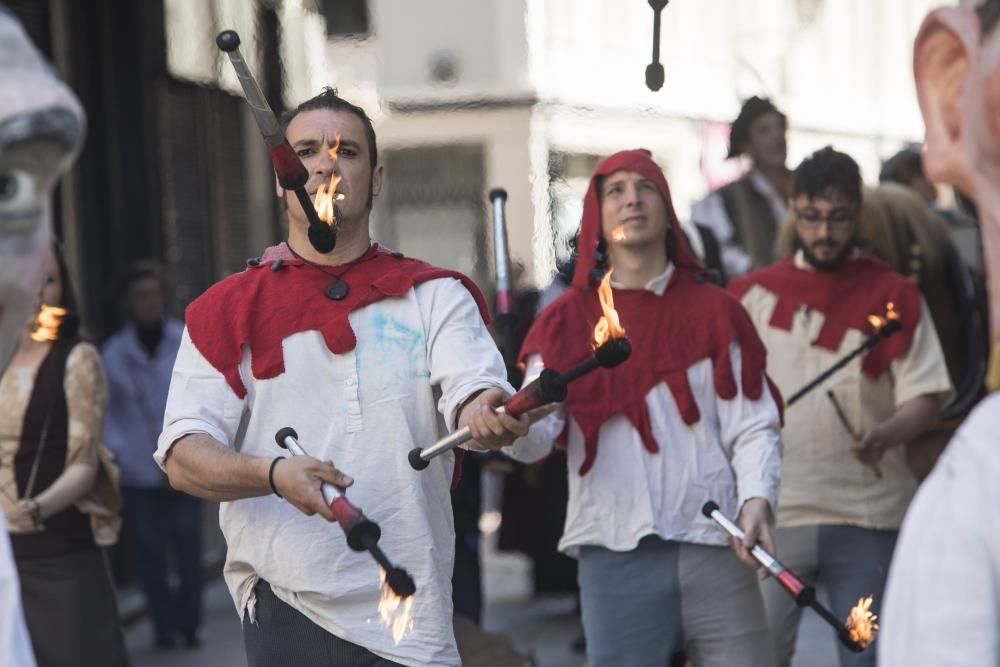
890 327
541 391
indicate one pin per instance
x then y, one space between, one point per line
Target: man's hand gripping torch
362 533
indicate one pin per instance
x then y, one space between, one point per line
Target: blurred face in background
145 301
766 144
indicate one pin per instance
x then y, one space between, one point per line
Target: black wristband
270 475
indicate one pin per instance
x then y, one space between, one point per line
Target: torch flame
327 194
890 314
618 233
608 326
396 612
861 623
47 323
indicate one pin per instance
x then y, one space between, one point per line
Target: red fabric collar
281 295
846 297
640 161
689 322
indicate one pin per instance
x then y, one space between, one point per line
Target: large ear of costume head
943 54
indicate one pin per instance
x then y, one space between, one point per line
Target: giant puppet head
956 61
41 129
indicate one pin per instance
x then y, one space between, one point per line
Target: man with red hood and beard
689 417
842 497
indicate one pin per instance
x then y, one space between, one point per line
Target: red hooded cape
846 297
281 295
693 320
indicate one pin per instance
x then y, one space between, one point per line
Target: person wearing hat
691 416
745 215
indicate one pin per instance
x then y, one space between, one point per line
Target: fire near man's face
41 128
633 212
312 135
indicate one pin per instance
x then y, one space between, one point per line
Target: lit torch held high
611 348
883 326
292 174
859 630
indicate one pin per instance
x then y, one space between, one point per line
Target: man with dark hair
353 349
943 598
845 484
691 416
138 360
745 215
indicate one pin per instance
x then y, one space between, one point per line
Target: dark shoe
192 640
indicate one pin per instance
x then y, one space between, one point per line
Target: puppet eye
17 191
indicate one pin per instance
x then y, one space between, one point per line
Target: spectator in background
745 215
58 486
139 359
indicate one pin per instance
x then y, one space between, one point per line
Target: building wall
537 79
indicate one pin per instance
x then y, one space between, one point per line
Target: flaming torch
859 630
884 327
362 533
292 174
47 323
611 348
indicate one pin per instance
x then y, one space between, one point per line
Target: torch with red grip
292 174
362 533
803 594
549 387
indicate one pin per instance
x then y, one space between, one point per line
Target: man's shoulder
778 271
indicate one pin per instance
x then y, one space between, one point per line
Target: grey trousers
853 562
283 637
642 606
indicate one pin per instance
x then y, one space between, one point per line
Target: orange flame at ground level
395 611
608 326
890 314
326 194
47 323
861 623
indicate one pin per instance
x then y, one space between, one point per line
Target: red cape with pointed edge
693 320
260 307
846 297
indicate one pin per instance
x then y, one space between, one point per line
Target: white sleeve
461 355
199 401
922 371
15 645
750 432
542 436
711 212
942 599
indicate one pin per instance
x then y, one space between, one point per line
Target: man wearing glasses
845 484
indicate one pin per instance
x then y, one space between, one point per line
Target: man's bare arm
201 466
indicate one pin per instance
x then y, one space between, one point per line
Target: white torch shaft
330 492
764 558
449 442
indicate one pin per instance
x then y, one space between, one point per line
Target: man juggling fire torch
856 340
356 349
688 415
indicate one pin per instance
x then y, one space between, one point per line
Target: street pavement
544 628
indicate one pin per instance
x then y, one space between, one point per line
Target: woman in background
58 486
